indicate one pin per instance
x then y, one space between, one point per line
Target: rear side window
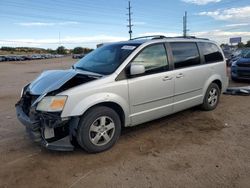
211 52
185 54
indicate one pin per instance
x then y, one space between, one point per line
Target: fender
209 81
95 99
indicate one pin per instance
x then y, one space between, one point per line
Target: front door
151 94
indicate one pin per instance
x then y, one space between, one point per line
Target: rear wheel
99 129
211 98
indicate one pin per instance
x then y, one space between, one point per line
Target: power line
52 43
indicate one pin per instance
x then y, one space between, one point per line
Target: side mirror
136 69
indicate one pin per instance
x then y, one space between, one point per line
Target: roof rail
151 36
191 37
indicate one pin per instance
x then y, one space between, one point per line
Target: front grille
244 73
243 64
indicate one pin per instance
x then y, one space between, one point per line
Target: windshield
106 59
247 54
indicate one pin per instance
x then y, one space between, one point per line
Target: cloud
201 2
222 36
160 33
67 41
237 25
47 23
231 14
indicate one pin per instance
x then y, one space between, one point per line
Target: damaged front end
47 126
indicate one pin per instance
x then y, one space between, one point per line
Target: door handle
166 78
180 75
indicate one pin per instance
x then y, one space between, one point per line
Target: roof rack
190 37
152 37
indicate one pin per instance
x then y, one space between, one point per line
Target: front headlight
234 64
52 103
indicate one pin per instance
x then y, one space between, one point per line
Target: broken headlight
52 103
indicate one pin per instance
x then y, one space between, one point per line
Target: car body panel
151 96
188 89
82 97
50 80
240 69
142 98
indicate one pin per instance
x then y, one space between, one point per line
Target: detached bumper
36 131
25 120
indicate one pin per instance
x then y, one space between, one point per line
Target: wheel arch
213 79
116 107
219 83
111 100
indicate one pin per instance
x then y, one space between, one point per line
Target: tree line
239 45
59 50
242 45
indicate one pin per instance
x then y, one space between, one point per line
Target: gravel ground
192 148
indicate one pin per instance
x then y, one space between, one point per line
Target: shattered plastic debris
238 91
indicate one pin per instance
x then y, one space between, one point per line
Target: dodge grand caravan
118 85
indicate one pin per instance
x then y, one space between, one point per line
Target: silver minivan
118 85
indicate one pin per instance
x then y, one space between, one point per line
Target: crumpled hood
50 80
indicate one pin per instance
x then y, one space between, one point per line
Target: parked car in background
37 56
237 55
240 69
11 58
228 54
2 58
28 57
78 56
119 85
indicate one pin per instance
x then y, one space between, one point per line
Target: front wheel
99 129
211 98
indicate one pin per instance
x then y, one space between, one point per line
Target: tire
211 98
98 129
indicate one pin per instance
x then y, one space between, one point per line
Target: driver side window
154 58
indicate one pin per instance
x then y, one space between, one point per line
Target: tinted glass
247 55
185 54
211 52
154 58
106 59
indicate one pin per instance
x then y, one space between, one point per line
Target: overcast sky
71 23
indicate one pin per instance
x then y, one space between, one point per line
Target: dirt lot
189 149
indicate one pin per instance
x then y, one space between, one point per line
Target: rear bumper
35 130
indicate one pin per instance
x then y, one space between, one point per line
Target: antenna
129 21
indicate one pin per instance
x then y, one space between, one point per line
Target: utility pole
59 38
129 21
185 25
